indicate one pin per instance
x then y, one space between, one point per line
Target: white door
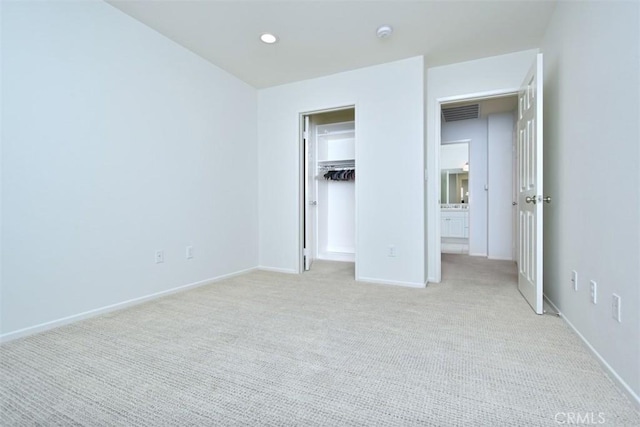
310 203
530 187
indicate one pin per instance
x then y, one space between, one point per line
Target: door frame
302 178
434 243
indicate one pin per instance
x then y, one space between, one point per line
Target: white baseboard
391 282
477 254
337 256
499 258
20 333
624 387
277 270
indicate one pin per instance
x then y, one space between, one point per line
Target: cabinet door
444 225
456 226
466 225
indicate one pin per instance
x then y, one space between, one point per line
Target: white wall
339 233
389 136
592 144
476 131
500 134
450 82
116 142
454 156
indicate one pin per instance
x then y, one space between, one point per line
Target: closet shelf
336 164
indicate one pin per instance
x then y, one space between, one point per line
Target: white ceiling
318 38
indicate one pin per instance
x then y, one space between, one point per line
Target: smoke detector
384 31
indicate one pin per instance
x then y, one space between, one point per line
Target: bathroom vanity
454 220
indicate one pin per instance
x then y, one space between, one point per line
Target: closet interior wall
333 167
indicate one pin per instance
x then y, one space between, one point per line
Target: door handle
529 199
514 203
313 203
547 199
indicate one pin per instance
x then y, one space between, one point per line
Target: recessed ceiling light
268 38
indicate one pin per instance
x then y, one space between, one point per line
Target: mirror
454 173
454 186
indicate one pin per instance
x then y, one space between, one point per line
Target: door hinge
306 252
305 134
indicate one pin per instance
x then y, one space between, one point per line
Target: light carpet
316 349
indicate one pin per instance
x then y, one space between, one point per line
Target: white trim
500 258
301 192
356 132
478 254
278 270
392 282
338 256
457 141
553 306
434 185
302 178
20 333
624 387
478 96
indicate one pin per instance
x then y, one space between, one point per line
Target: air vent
464 112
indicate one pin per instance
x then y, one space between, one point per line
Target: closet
330 187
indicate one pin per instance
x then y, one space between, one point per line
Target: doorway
328 182
529 145
479 219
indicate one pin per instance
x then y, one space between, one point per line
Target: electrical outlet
594 291
159 257
615 307
392 251
574 280
188 252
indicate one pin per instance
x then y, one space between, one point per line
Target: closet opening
328 186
